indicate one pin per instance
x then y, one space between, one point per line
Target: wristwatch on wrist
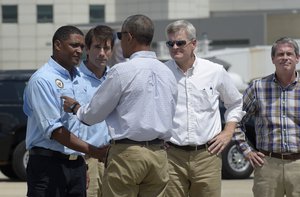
72 107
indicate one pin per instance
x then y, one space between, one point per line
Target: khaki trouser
276 178
135 170
193 173
95 172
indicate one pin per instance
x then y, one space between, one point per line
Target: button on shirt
276 110
97 134
137 99
44 107
197 118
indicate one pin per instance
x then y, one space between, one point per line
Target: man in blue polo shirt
99 43
54 138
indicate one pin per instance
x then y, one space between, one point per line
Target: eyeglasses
119 34
179 43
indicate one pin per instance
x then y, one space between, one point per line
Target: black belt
143 143
285 156
51 153
189 147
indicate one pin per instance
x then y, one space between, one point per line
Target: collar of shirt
62 70
290 85
89 73
143 54
190 71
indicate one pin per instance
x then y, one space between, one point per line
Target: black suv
234 164
13 155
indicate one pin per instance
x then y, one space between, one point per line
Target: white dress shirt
197 118
137 100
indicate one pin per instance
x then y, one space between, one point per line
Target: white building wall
179 9
252 5
155 9
162 9
27 44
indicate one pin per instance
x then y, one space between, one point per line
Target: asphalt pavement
230 188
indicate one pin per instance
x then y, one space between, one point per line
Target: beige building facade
26 31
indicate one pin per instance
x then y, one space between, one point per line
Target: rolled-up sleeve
232 98
44 107
249 106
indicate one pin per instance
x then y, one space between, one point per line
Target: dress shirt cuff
235 117
245 148
246 152
80 115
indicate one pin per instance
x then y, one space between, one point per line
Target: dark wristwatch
72 107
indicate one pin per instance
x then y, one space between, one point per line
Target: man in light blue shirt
99 43
54 138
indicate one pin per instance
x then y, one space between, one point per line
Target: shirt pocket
204 99
81 94
65 92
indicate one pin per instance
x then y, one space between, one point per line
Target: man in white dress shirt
197 135
138 101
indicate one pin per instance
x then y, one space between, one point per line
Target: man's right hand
100 153
255 158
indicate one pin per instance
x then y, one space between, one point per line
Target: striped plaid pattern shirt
276 110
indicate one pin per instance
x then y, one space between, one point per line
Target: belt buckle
145 144
73 157
287 156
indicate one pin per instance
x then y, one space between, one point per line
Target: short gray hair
179 25
284 40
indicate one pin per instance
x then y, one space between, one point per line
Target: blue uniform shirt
97 134
44 107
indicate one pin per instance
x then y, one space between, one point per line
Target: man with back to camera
138 101
273 101
197 136
99 42
56 166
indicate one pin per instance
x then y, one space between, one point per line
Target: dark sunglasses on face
119 34
179 43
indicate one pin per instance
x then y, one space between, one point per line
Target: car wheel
20 160
235 166
8 171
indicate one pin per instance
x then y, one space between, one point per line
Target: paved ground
230 188
11 188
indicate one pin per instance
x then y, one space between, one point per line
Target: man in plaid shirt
274 102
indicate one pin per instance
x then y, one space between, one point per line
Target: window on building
97 13
9 13
44 13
